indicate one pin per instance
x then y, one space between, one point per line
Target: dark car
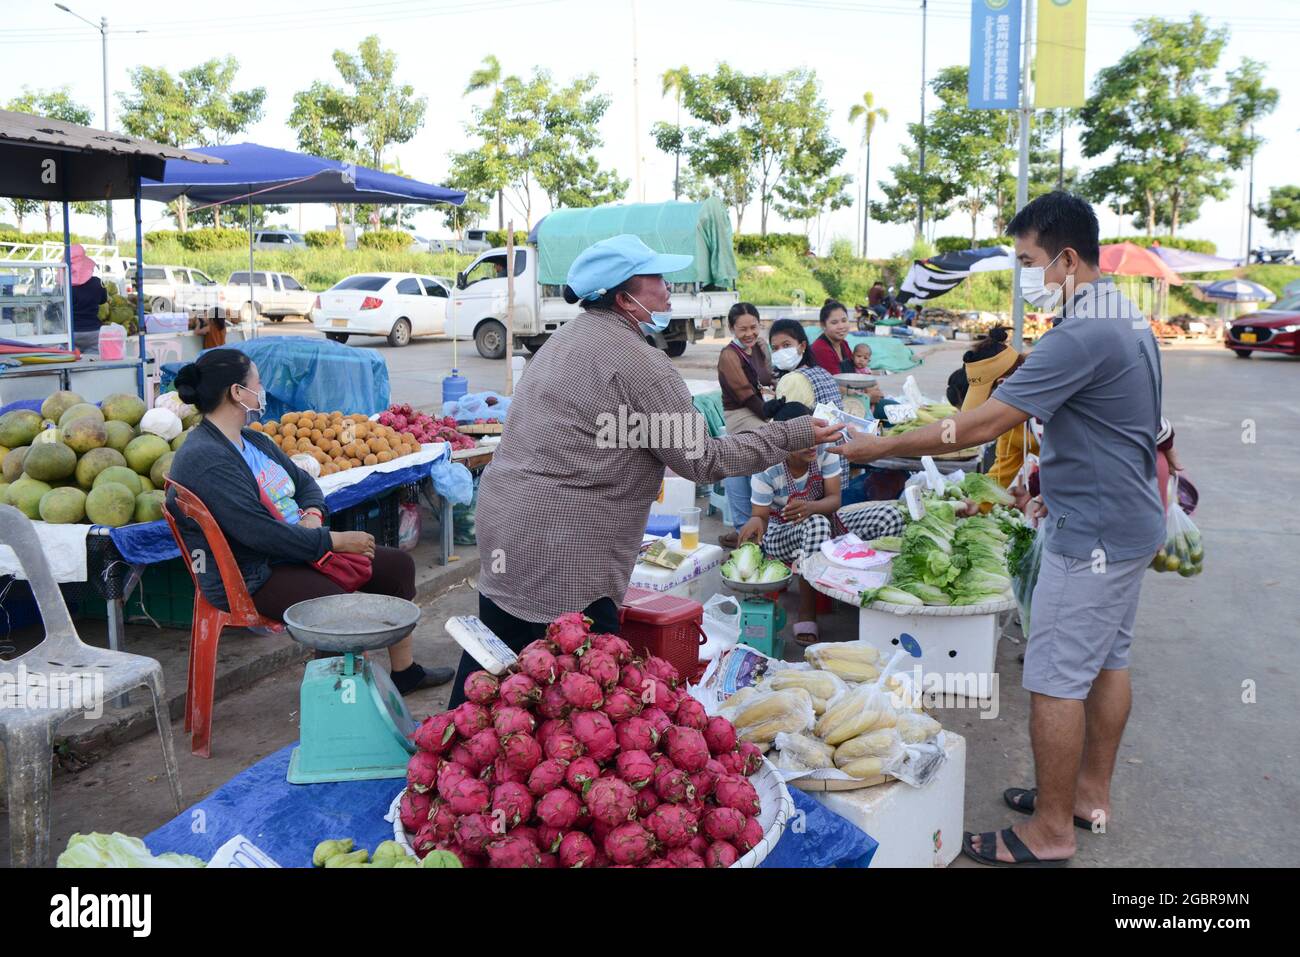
1276 329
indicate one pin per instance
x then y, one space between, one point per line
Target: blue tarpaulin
287 821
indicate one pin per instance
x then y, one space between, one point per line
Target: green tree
869 114
1170 134
387 113
488 77
673 81
56 104
1281 214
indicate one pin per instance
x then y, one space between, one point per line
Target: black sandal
1014 798
988 851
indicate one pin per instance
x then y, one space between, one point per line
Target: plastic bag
409 526
475 405
453 482
1026 577
1183 551
826 687
763 715
464 530
802 752
721 625
914 727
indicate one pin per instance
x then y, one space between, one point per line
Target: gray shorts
1082 623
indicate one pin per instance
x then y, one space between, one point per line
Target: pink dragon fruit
481 687
732 762
539 665
503 772
449 772
600 666
564 664
436 733
594 730
636 734
559 808
483 747
672 826
580 773
547 776
570 633
631 677
443 821
572 619
550 861
686 747
658 719
659 863
751 756
629 843
414 809
521 752
469 796
473 831
719 735
529 833
582 691
750 836
684 857
611 801
657 694
467 858
519 691
510 720
695 805
721 854
600 830
514 801
646 801
661 669
636 768
691 714
621 704
549 727
511 851
736 792
563 746
674 786
723 823
576 850
470 719
700 845
459 754
704 782
663 764
424 840
540 644
422 771
548 838
613 645
553 703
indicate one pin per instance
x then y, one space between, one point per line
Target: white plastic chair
27 734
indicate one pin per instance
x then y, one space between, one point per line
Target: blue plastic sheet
287 821
30 405
474 405
299 373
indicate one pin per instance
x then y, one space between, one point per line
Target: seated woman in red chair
239 475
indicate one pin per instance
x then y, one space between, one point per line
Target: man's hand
310 520
1036 511
1020 496
797 511
752 531
861 448
823 432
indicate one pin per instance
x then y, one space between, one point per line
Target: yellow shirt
1010 454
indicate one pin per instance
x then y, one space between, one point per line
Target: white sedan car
396 305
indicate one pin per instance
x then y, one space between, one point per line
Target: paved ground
1205 778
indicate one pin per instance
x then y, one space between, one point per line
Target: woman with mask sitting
744 370
271 512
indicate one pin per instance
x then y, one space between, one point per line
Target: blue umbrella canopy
1237 290
288 177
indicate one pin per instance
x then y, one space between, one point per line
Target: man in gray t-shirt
1094 381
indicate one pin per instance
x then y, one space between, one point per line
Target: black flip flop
1014 798
988 852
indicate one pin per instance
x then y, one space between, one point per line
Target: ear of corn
874 744
863 768
768 714
849 660
820 684
807 751
914 728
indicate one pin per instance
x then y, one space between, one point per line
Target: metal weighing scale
353 724
761 618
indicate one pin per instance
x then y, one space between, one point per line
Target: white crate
915 827
698 578
962 648
678 493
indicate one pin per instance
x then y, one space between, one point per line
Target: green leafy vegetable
984 489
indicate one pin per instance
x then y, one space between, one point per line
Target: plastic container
112 341
454 386
665 626
380 517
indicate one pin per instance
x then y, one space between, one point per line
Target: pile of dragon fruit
582 756
425 428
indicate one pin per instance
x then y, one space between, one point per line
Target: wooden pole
510 307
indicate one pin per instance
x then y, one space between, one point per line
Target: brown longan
371 460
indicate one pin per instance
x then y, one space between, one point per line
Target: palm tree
674 80
485 77
868 112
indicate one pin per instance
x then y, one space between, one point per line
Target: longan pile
338 442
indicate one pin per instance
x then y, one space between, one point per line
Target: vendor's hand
1020 496
862 448
797 511
310 520
823 432
752 531
353 543
968 508
1036 511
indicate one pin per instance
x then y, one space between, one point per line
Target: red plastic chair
209 621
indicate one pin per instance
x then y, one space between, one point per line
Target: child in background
862 359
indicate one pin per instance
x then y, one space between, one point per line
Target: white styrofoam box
962 648
915 827
698 578
679 493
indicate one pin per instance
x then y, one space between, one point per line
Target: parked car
1275 329
468 246
275 294
420 244
270 240
181 289
396 305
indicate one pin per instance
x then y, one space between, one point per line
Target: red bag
347 570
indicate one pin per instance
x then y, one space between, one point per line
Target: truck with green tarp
704 291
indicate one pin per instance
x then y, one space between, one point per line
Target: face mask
1033 286
658 320
785 359
251 415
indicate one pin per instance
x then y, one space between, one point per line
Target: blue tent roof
288 178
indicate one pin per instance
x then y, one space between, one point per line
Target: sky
854 45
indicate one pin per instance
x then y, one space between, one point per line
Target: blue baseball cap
612 262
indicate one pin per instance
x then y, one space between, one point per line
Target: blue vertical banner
994 55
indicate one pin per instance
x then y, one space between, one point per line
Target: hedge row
210 240
952 244
386 240
754 244
1173 242
14 236
497 237
323 239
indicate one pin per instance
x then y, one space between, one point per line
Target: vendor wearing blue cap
601 413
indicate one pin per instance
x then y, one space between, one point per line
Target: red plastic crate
665 626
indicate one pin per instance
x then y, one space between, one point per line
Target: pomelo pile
336 441
582 756
76 462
